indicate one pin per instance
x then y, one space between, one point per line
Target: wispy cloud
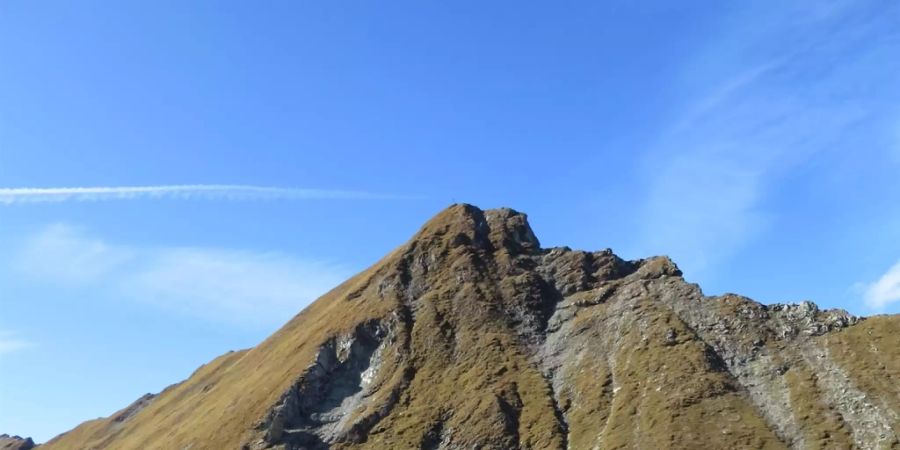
10 343
884 291
65 254
9 196
783 102
226 285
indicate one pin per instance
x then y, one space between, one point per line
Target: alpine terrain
473 336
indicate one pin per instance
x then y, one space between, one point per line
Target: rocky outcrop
319 408
472 335
132 409
8 442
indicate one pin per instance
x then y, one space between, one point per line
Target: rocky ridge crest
8 442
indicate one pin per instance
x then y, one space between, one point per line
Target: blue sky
282 147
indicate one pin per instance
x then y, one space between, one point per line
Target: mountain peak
495 229
471 335
8 442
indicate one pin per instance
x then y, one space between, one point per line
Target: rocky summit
473 336
8 442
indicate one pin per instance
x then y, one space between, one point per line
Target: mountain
473 336
8 442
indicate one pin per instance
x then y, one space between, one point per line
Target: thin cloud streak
11 196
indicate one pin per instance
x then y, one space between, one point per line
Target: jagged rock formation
473 336
8 442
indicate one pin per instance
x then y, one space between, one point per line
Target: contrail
10 196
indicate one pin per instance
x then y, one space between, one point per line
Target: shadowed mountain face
473 336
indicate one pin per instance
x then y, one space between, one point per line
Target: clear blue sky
757 143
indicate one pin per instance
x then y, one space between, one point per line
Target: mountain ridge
8 442
472 335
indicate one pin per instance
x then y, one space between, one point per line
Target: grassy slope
870 355
217 407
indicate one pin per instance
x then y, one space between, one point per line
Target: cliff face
472 336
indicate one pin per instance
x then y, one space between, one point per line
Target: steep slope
472 336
